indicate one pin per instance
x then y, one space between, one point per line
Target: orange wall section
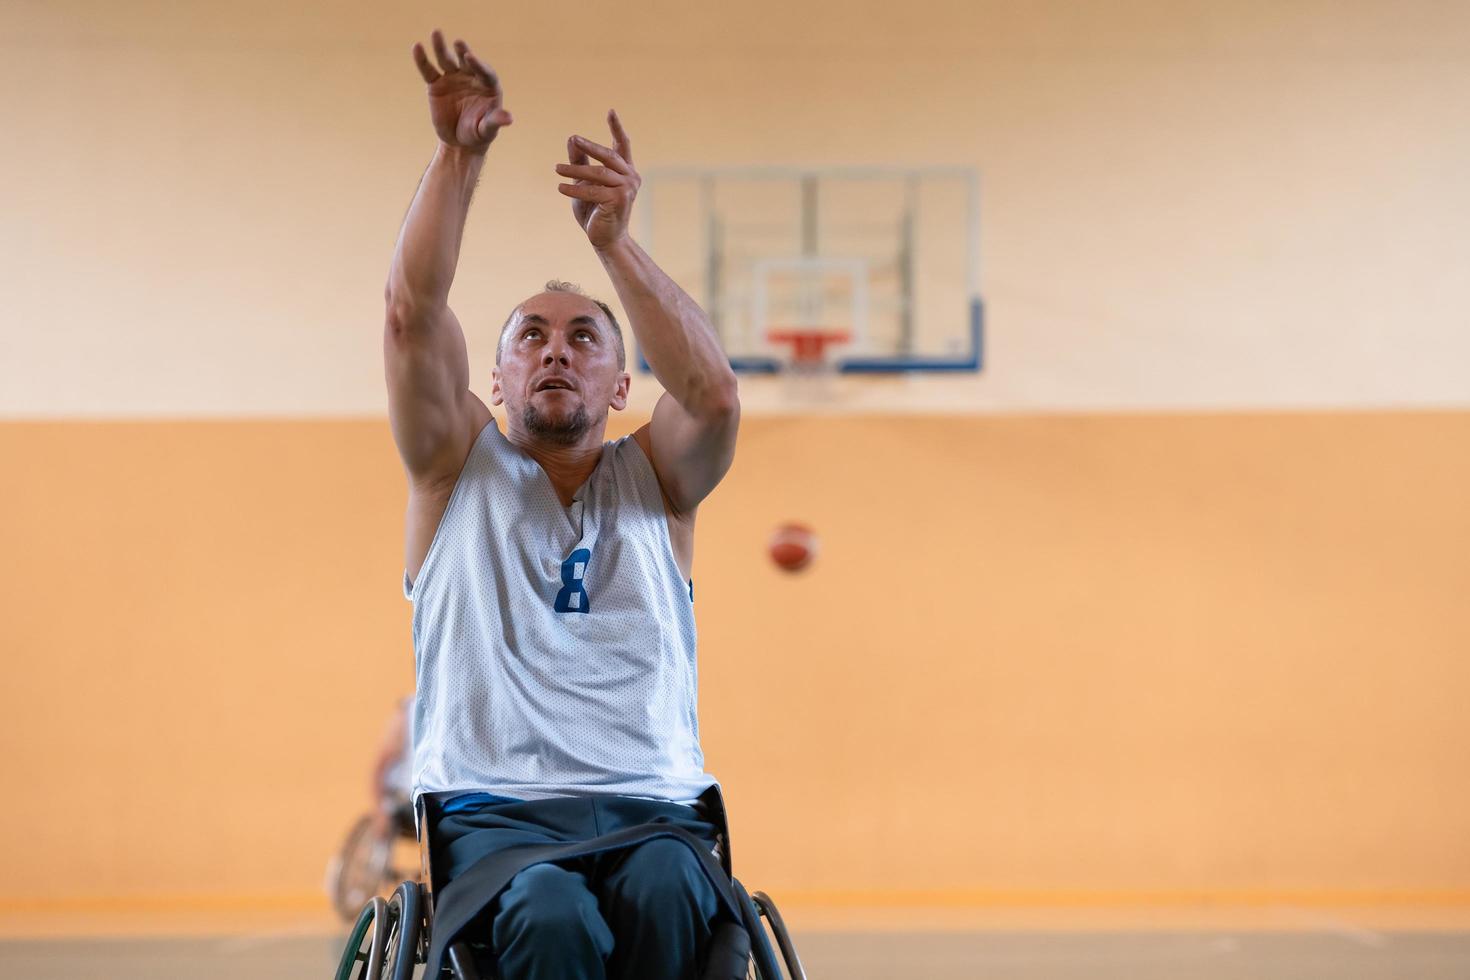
1119 654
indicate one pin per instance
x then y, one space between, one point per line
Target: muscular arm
425 357
432 412
692 434
427 251
696 420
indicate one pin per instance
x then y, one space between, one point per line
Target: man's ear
620 393
495 396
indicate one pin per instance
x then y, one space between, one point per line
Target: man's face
558 370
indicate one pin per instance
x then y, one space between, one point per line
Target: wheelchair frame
390 938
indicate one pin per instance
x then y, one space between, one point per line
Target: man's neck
567 466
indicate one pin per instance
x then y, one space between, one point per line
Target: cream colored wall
1112 657
1186 205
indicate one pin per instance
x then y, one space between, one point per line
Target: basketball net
810 368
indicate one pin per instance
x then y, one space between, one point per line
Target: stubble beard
564 433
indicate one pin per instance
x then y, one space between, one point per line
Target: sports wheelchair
391 937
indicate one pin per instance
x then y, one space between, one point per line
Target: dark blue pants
643 912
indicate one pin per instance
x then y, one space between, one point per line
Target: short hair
562 286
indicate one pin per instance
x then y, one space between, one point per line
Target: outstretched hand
464 95
602 197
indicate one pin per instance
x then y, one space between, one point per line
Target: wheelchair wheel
359 870
401 942
763 965
365 943
768 909
385 939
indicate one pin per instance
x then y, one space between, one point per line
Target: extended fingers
421 59
574 152
621 143
486 73
598 175
599 152
595 193
441 51
467 60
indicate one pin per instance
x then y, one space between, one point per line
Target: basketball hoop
808 345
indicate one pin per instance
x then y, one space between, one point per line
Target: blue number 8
573 596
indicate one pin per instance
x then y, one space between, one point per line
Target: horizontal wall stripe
1061 655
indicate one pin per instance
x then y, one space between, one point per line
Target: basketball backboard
887 258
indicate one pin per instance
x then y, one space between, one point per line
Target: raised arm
696 420
433 414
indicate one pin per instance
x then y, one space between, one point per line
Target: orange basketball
793 546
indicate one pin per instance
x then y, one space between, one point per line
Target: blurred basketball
793 546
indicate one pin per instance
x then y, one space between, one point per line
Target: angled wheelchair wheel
401 942
384 942
763 962
767 909
366 942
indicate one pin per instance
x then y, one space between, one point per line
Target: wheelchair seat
429 810
412 910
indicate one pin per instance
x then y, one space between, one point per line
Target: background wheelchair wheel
358 871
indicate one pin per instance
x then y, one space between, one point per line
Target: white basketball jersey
554 646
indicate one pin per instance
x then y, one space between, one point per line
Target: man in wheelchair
554 725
